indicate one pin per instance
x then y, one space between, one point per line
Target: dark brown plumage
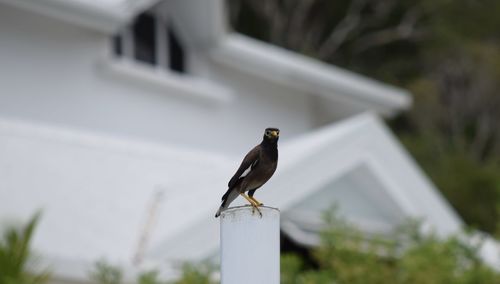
255 170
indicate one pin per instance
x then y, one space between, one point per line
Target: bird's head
272 134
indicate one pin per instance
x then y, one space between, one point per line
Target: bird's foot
254 203
254 208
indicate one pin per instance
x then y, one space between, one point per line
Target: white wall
49 73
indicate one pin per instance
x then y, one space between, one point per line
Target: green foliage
291 268
196 274
352 256
16 256
149 277
346 255
105 273
472 187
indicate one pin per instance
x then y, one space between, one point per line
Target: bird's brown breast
258 177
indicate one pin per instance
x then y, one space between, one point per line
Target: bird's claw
256 207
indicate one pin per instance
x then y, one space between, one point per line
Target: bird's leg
249 199
255 206
256 201
250 194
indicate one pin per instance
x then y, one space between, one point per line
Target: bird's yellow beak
275 133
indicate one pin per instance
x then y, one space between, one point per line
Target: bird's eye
268 133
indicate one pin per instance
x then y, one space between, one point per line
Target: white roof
99 193
110 15
306 74
92 14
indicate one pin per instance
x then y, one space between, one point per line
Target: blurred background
121 122
443 52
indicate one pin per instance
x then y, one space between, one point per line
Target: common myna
256 169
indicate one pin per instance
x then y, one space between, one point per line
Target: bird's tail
227 198
221 208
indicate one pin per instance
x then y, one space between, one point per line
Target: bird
255 170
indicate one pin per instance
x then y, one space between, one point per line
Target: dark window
176 52
145 39
118 45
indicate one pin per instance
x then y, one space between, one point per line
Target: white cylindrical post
250 246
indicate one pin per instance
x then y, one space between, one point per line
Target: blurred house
124 119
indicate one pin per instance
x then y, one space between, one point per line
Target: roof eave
100 16
309 75
203 20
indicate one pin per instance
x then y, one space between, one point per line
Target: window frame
124 66
123 44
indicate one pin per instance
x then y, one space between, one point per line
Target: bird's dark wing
249 162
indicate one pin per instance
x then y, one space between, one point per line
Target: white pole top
250 246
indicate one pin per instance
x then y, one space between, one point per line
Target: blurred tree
473 187
348 33
16 257
446 52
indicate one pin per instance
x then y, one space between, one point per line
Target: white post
250 246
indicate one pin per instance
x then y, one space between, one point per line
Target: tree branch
405 30
297 23
340 32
